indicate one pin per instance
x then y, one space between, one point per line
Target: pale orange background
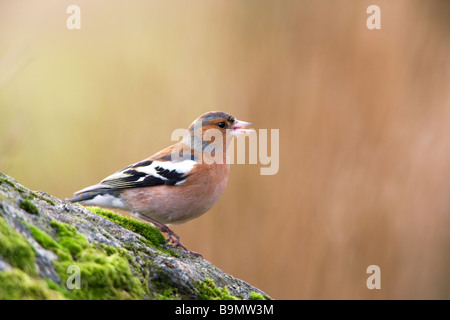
364 120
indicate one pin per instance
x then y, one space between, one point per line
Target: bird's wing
149 173
158 169
145 173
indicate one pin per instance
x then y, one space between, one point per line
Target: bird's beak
239 127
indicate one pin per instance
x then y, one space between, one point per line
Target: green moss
49 243
102 277
55 287
163 287
15 249
28 206
35 195
153 236
149 232
7 181
17 187
29 195
44 239
104 271
17 285
69 238
207 290
256 296
21 282
167 294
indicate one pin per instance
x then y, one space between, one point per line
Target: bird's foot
175 240
172 236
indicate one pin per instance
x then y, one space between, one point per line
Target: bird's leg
172 236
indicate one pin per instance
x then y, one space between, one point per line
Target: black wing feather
130 177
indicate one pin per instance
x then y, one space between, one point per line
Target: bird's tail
99 195
85 196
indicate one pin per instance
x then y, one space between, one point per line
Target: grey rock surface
161 274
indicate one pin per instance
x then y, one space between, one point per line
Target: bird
176 184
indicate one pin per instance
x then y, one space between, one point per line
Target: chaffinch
176 184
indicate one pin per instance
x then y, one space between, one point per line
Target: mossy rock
51 249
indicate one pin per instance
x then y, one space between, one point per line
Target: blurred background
364 120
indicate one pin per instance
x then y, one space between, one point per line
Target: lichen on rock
47 245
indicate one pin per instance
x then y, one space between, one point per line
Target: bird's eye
221 124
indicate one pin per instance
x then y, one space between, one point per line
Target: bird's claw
172 237
175 239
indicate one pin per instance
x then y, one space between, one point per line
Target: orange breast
178 204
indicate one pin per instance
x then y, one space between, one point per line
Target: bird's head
221 121
212 128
